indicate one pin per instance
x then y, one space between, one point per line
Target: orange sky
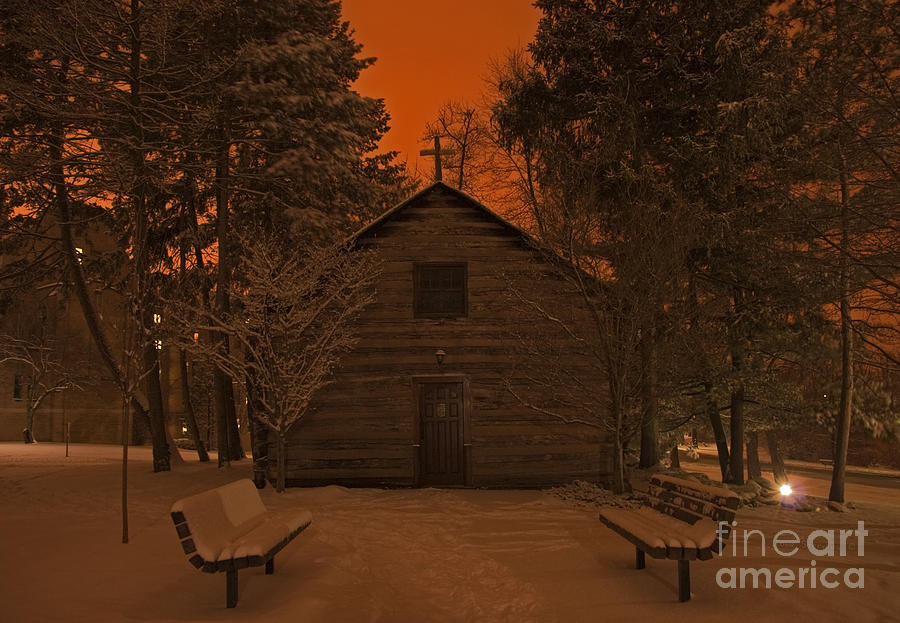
429 52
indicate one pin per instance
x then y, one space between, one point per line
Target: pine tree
849 80
159 117
52 111
661 124
285 141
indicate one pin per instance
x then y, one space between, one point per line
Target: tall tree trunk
778 470
190 418
737 396
75 271
674 460
234 431
161 448
140 246
259 444
229 443
618 452
28 433
282 464
175 457
126 425
649 424
190 201
618 466
79 285
736 466
754 470
842 431
259 436
259 432
220 391
223 444
718 429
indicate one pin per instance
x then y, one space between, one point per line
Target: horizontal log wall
362 428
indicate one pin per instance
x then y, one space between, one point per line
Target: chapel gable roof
436 188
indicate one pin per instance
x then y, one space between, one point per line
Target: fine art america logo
826 544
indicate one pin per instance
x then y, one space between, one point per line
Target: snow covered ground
393 555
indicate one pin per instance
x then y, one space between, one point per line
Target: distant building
48 316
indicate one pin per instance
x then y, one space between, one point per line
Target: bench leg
684 580
639 561
231 588
270 566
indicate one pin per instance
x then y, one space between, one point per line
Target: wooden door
441 428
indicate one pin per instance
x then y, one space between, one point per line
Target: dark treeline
730 173
722 178
143 142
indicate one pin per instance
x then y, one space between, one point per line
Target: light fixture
785 490
439 355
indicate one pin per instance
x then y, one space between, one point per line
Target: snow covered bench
681 522
228 528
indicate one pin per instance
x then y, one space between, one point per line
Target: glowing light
184 429
158 344
157 318
785 489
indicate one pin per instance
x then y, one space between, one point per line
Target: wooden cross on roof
437 153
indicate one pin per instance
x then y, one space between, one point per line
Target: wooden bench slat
716 495
660 488
683 501
672 510
236 522
655 552
687 509
681 553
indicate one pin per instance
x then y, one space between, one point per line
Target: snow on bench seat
662 532
264 537
228 528
680 521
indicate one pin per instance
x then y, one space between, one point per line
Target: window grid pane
440 290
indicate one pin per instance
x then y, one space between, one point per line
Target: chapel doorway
441 447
